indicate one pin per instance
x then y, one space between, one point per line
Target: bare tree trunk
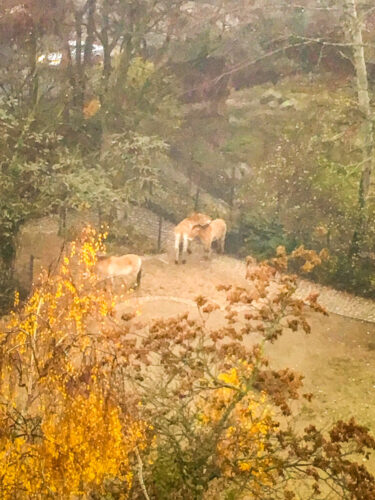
355 30
107 48
34 86
83 52
107 69
90 33
78 90
122 71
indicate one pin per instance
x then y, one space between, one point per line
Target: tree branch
140 474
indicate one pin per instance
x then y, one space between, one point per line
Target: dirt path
341 303
209 274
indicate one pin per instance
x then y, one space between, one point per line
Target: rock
271 95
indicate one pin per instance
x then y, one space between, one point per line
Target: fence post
196 201
100 218
159 232
62 221
31 269
232 193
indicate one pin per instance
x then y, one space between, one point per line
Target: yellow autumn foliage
79 448
63 432
247 417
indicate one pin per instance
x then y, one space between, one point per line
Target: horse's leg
177 247
123 282
139 276
222 244
185 247
208 250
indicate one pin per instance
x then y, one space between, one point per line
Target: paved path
335 301
339 302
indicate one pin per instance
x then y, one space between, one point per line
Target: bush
174 409
8 286
64 430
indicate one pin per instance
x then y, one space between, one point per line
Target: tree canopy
265 91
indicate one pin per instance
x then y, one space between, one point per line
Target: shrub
189 407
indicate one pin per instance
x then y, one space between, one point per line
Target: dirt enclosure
336 358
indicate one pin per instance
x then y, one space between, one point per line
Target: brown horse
216 231
183 233
121 266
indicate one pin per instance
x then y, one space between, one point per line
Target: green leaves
133 163
38 174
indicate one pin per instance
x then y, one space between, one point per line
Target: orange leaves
200 300
312 300
306 259
271 293
18 468
91 108
311 258
324 254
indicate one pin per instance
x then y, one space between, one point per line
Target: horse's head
198 228
200 219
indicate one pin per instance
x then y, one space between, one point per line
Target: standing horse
121 266
184 233
216 231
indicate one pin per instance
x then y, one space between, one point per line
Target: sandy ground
336 358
